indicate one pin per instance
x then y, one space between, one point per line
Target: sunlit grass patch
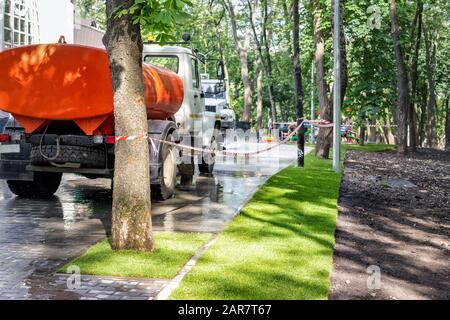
370 147
281 244
173 250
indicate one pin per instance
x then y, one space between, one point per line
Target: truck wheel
206 166
44 185
168 173
85 156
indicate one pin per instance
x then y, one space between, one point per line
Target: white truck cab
192 118
216 100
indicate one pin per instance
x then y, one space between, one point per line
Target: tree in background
322 37
131 212
242 47
297 75
402 81
92 9
371 91
323 145
415 40
371 96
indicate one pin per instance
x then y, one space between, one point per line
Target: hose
57 146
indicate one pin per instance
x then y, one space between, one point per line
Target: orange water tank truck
60 82
61 96
61 100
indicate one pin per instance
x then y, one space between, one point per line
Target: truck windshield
213 91
167 62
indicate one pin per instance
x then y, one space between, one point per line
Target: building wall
56 18
18 22
87 35
26 22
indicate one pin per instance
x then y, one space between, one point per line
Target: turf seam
175 282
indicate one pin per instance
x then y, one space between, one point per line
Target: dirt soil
395 216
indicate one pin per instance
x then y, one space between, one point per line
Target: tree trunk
259 96
323 145
266 59
362 135
402 81
423 116
242 48
373 131
287 20
387 128
298 84
447 126
131 212
343 49
412 115
430 62
243 59
225 67
268 64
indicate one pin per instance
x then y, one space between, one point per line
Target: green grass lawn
369 147
279 247
173 250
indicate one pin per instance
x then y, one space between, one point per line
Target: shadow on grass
279 247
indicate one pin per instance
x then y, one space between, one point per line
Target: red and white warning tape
130 138
320 123
317 123
381 126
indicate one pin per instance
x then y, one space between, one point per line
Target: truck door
198 110
208 117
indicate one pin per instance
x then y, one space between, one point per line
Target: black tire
44 185
206 166
186 169
168 173
86 156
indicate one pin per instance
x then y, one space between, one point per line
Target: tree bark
362 135
423 116
402 82
223 57
387 128
259 96
242 48
298 84
131 212
343 49
268 64
373 131
260 66
323 145
430 62
265 60
412 115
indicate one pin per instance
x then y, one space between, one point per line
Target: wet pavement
38 236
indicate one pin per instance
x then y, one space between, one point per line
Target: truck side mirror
220 70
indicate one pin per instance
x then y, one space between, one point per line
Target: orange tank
41 83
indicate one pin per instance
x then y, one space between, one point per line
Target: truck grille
210 108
